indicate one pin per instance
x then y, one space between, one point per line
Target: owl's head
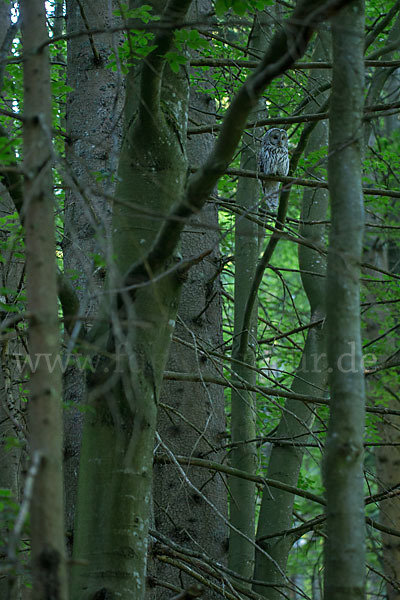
277 137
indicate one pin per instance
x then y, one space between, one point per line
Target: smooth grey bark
343 461
94 131
45 402
276 513
117 449
191 419
243 409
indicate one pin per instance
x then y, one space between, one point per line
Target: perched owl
273 160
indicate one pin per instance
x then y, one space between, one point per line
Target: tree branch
286 47
262 481
69 301
314 183
253 64
267 391
294 119
153 65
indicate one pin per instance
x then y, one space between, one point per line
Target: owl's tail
271 195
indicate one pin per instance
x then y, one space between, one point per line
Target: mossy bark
133 340
344 550
191 419
93 127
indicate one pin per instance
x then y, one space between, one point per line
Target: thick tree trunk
343 463
45 416
94 131
191 419
117 450
133 337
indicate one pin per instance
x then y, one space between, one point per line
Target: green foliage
282 302
175 60
137 44
184 39
8 509
240 7
11 240
143 13
190 38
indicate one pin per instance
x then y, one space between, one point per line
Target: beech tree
149 183
343 468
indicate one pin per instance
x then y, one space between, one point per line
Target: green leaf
8 307
221 6
239 7
99 260
175 60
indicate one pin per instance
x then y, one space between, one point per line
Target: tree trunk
45 403
191 420
117 450
94 129
135 328
243 407
343 462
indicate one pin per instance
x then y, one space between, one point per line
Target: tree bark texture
134 334
243 407
117 450
45 416
343 461
94 132
191 420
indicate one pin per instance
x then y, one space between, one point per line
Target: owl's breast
282 161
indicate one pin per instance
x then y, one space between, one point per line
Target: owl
273 159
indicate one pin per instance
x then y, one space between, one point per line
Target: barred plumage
273 160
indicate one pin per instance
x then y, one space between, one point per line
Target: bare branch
266 391
314 183
24 508
369 110
262 481
253 64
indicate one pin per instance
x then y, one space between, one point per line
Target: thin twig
24 509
